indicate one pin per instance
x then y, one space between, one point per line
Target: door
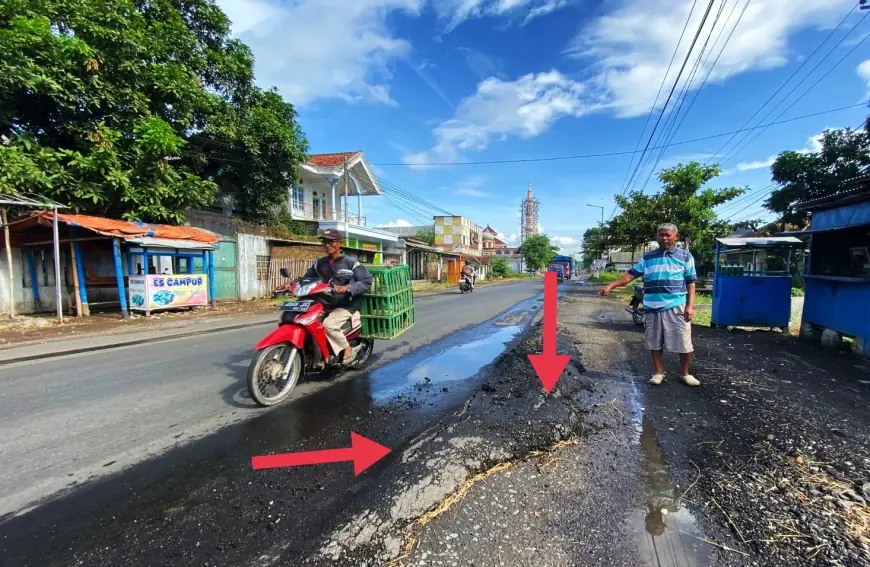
225 272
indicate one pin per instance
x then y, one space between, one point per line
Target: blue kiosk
752 282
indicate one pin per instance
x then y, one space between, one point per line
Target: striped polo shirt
665 276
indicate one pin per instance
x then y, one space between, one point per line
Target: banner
163 291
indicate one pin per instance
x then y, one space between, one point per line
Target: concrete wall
98 262
250 246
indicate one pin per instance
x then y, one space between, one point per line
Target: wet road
70 421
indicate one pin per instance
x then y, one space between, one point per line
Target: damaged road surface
202 504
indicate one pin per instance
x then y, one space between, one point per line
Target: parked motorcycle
465 285
635 306
299 345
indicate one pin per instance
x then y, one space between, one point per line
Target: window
298 197
262 268
841 253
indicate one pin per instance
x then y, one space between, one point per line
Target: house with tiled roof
332 191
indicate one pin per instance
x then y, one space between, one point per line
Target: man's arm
634 272
312 272
362 280
624 279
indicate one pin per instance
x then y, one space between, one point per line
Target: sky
428 88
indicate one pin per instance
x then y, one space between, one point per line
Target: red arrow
363 452
549 365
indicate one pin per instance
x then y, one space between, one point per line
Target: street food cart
169 274
752 282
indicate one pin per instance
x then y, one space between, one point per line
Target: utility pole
602 211
346 234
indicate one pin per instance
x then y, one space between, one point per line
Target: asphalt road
72 420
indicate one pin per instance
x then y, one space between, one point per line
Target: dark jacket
346 270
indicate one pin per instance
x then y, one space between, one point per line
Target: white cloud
454 12
499 109
314 49
397 224
471 186
752 165
864 72
630 48
562 240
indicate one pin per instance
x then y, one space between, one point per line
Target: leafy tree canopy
538 251
683 201
808 175
500 268
138 109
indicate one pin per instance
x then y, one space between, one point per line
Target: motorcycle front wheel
273 374
637 316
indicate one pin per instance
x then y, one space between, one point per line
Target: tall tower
529 215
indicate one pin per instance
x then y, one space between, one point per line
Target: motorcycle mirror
285 272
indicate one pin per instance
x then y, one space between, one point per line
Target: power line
668 100
669 132
783 85
674 130
652 108
631 152
389 185
798 99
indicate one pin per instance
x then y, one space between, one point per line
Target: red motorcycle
299 345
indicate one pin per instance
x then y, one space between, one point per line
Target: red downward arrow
549 365
363 452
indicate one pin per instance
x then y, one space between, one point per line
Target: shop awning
760 242
150 242
114 228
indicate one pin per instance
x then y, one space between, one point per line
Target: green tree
500 268
593 245
683 201
538 251
122 108
427 236
808 175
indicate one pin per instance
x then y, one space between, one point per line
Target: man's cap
331 234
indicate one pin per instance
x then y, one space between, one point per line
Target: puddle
463 361
666 531
452 360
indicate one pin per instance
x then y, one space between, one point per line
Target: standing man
668 301
348 277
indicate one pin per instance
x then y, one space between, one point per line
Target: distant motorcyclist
468 272
348 277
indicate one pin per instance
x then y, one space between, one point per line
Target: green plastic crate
386 305
388 280
387 327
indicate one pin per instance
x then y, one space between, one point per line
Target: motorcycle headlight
306 319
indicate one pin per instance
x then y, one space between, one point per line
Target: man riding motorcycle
348 277
468 272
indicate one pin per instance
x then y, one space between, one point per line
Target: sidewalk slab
130 336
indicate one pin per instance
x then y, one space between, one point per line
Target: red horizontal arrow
363 452
549 365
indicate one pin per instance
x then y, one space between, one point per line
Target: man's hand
604 291
341 289
689 313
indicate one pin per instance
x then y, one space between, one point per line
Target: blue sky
416 82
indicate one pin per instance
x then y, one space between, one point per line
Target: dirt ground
767 464
774 447
37 328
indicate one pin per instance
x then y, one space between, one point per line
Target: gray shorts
668 330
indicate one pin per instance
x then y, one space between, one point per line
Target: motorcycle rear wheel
637 316
268 367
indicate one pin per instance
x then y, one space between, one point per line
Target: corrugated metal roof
760 241
150 242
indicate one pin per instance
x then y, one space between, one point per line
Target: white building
331 192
